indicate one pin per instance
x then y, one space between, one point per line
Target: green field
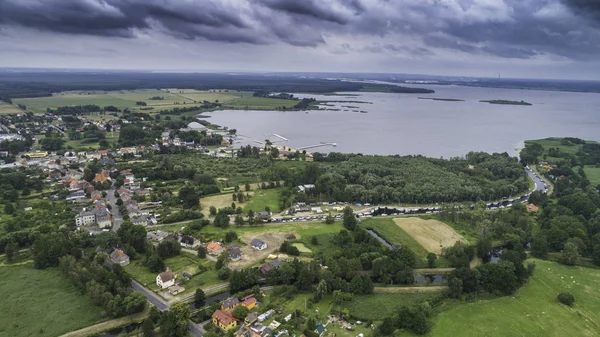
178 264
41 303
547 143
6 109
593 174
111 137
377 306
387 228
533 310
262 199
174 98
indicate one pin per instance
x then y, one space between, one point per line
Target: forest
413 179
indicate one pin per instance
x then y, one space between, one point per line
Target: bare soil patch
433 235
251 256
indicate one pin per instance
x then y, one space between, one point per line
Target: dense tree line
105 287
412 179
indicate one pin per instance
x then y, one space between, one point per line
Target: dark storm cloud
589 8
503 28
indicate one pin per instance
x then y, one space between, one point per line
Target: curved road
540 185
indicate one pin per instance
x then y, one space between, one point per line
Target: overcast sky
513 38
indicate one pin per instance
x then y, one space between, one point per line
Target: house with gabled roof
118 256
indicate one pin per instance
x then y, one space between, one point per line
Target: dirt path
112 324
429 271
411 290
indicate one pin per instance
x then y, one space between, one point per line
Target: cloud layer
504 29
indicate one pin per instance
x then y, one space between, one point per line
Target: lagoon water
404 124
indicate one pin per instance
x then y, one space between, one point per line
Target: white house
258 244
86 219
165 279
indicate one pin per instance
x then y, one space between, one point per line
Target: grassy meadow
172 98
41 303
390 231
178 264
533 311
6 109
593 174
261 199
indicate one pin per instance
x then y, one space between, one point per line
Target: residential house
189 242
230 303
532 208
258 244
245 331
303 188
156 236
165 279
234 252
106 161
249 302
214 248
264 216
85 219
92 155
118 256
55 174
224 320
102 176
104 153
76 196
103 218
141 220
251 318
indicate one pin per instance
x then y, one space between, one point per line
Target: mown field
533 310
178 264
41 303
548 143
593 174
261 199
391 232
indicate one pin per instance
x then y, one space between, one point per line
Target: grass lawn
178 264
387 228
378 306
593 174
533 310
556 143
262 199
111 137
41 303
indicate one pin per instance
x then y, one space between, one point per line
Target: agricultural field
533 310
41 303
6 109
185 262
172 98
593 174
433 235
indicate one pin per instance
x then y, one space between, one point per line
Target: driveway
117 219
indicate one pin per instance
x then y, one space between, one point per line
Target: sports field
433 235
533 311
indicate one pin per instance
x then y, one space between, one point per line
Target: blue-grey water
404 124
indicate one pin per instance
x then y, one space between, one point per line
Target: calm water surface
403 124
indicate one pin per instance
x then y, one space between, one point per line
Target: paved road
117 219
150 296
195 252
540 185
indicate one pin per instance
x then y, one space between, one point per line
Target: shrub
566 298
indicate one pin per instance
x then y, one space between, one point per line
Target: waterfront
404 124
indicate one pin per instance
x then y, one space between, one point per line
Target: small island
443 99
506 102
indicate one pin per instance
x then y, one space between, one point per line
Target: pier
317 145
